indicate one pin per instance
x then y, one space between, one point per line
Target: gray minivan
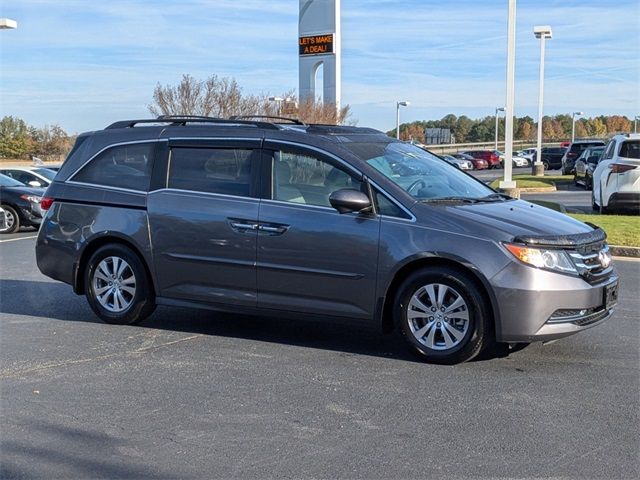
315 220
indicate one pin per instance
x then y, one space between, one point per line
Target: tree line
19 140
556 128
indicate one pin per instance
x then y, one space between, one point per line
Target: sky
83 64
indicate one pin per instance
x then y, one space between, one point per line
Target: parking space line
16 239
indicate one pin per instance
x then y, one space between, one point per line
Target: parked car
477 163
37 177
616 179
457 162
585 165
528 153
516 160
20 204
568 160
490 156
329 221
551 157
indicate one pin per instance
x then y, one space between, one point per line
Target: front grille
593 262
581 318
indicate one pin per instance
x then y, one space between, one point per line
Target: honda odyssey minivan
316 221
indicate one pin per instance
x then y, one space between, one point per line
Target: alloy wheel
114 284
438 316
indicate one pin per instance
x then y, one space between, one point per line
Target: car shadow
56 301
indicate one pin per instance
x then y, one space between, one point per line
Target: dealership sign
316 44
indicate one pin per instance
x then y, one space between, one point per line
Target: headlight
556 260
31 198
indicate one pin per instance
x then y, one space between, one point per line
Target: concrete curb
538 189
624 251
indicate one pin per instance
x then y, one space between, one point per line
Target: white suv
616 180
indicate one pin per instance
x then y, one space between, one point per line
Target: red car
478 163
490 156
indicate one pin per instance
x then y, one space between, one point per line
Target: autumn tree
14 138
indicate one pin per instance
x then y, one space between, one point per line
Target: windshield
9 182
46 173
418 172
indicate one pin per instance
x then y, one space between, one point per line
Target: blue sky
84 64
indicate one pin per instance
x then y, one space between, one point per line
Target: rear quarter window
122 166
630 149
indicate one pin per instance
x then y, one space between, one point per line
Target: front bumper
529 299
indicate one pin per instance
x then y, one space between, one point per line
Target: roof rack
328 129
293 121
182 120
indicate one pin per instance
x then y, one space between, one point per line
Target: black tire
545 164
479 334
10 213
141 303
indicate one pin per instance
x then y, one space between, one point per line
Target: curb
624 251
538 189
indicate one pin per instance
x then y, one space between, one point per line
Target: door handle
242 225
273 229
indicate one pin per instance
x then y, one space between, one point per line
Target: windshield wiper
494 197
450 199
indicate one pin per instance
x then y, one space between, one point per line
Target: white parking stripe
16 239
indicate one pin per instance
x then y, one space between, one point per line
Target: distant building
438 136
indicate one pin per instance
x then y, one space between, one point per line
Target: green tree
14 138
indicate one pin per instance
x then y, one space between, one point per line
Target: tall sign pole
319 45
507 182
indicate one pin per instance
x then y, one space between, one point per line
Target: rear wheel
11 220
117 286
443 315
545 164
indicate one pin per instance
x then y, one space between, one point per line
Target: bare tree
223 98
216 97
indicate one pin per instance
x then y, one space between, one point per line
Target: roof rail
294 121
328 129
182 120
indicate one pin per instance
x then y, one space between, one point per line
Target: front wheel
117 286
11 220
443 316
545 165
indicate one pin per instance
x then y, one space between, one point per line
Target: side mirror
35 184
349 200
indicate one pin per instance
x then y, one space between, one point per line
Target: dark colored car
315 221
585 165
574 151
551 157
21 205
490 156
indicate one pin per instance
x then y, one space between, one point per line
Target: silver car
316 221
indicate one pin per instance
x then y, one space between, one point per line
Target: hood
501 221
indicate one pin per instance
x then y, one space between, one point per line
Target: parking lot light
541 32
498 109
507 182
398 105
573 124
635 123
8 24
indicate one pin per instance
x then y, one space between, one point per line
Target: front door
311 258
204 222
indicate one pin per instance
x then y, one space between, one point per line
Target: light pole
498 109
635 123
542 33
507 183
398 105
278 101
573 124
8 24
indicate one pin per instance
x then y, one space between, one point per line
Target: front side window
212 170
122 166
420 173
305 179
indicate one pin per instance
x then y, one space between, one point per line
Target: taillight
621 168
45 203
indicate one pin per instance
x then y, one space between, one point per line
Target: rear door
204 221
311 258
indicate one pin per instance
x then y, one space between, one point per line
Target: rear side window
630 149
211 170
123 166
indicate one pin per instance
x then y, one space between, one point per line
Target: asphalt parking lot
196 394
